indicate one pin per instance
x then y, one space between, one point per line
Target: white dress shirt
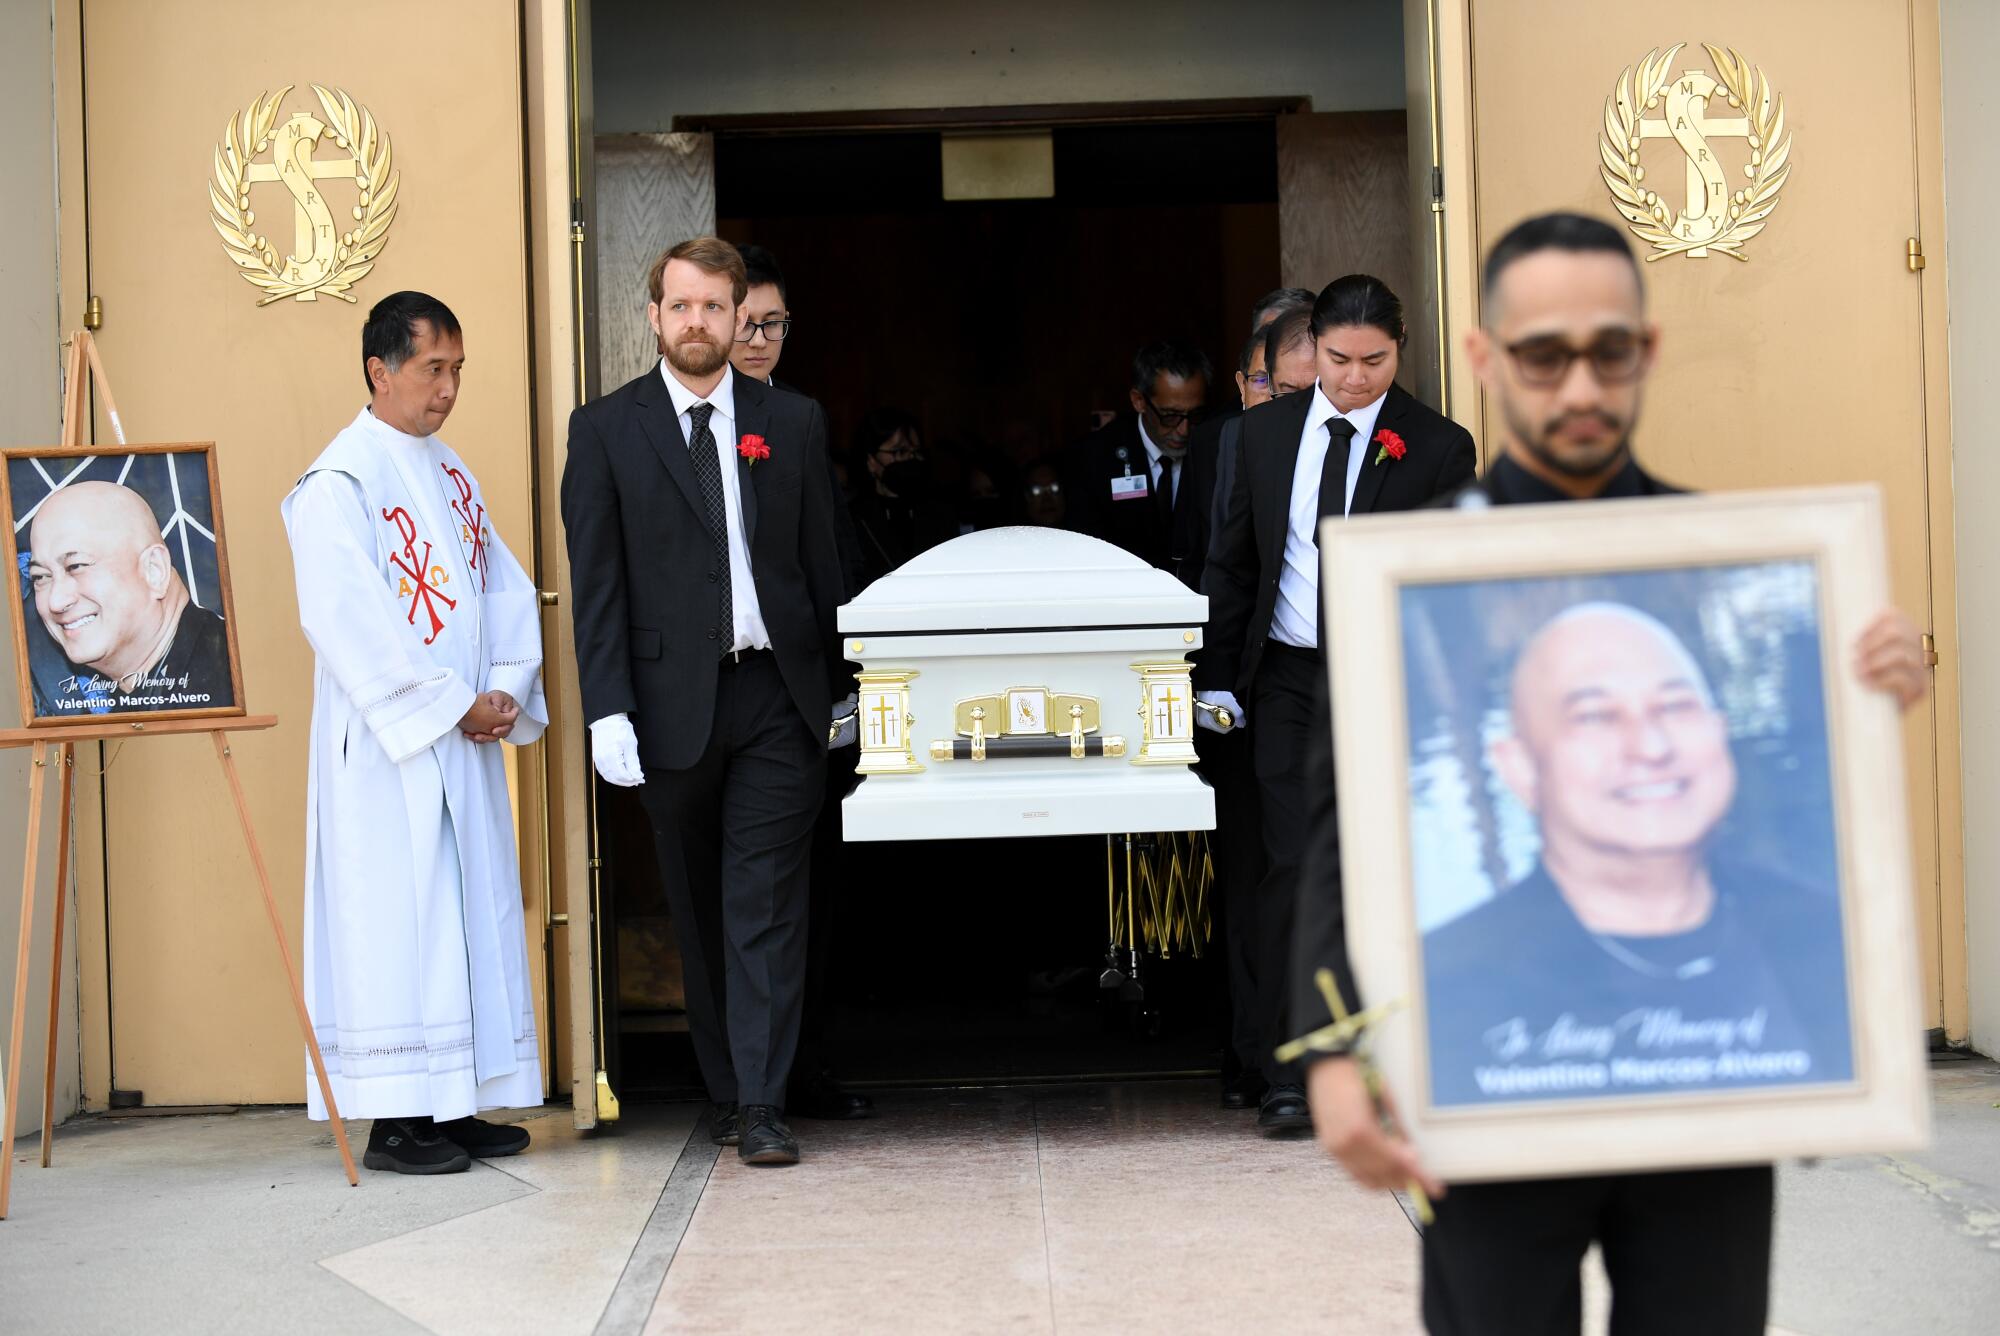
1159 468
1295 616
747 616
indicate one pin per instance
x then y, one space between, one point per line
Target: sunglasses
1616 357
1172 420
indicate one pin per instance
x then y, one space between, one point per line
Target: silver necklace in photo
1687 969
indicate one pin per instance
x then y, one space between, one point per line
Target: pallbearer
1348 442
428 639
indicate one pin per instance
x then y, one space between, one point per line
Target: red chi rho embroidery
472 530
419 574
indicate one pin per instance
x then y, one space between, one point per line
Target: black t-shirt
1526 1003
195 668
192 675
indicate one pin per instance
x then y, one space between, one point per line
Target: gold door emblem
326 256
1713 217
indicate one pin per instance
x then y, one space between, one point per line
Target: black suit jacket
1248 554
1134 524
1320 939
844 536
643 594
1192 531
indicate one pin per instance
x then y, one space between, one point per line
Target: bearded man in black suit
1355 444
699 515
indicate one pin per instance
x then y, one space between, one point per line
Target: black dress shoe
1284 1112
483 1140
725 1124
1244 1090
825 1099
412 1146
766 1139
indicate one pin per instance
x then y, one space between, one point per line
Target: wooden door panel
1344 202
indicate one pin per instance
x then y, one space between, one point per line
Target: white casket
1025 682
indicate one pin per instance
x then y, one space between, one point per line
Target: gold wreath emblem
1730 217
334 260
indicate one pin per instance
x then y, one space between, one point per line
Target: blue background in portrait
1755 631
174 485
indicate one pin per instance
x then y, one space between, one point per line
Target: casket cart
1033 682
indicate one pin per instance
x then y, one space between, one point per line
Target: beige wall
30 414
1971 32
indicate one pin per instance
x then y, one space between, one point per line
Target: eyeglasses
1041 489
1616 357
1258 380
774 330
1172 420
900 453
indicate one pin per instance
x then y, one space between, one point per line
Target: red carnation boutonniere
752 448
1392 445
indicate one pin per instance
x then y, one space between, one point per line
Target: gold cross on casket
879 726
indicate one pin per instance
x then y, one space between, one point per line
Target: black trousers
1237 846
1281 710
829 885
1686 1252
734 832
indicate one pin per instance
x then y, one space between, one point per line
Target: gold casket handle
1223 718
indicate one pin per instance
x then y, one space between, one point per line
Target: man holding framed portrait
1636 934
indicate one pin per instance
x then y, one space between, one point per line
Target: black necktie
1333 473
1165 500
708 472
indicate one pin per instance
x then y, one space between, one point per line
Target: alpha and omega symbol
330 251
1734 149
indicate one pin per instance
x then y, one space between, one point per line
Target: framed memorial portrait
1623 839
122 604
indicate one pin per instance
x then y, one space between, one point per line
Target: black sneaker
413 1146
483 1140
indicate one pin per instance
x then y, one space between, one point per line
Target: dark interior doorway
1004 327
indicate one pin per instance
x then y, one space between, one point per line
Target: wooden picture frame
180 558
1484 738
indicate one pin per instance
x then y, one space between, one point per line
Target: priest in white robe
428 640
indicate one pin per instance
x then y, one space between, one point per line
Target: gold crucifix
1341 1038
293 166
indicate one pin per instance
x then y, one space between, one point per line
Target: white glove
1227 701
614 750
846 722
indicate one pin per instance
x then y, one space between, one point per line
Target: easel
57 746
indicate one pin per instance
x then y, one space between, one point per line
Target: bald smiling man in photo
106 590
1632 958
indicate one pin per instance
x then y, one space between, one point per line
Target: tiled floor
1074 1209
